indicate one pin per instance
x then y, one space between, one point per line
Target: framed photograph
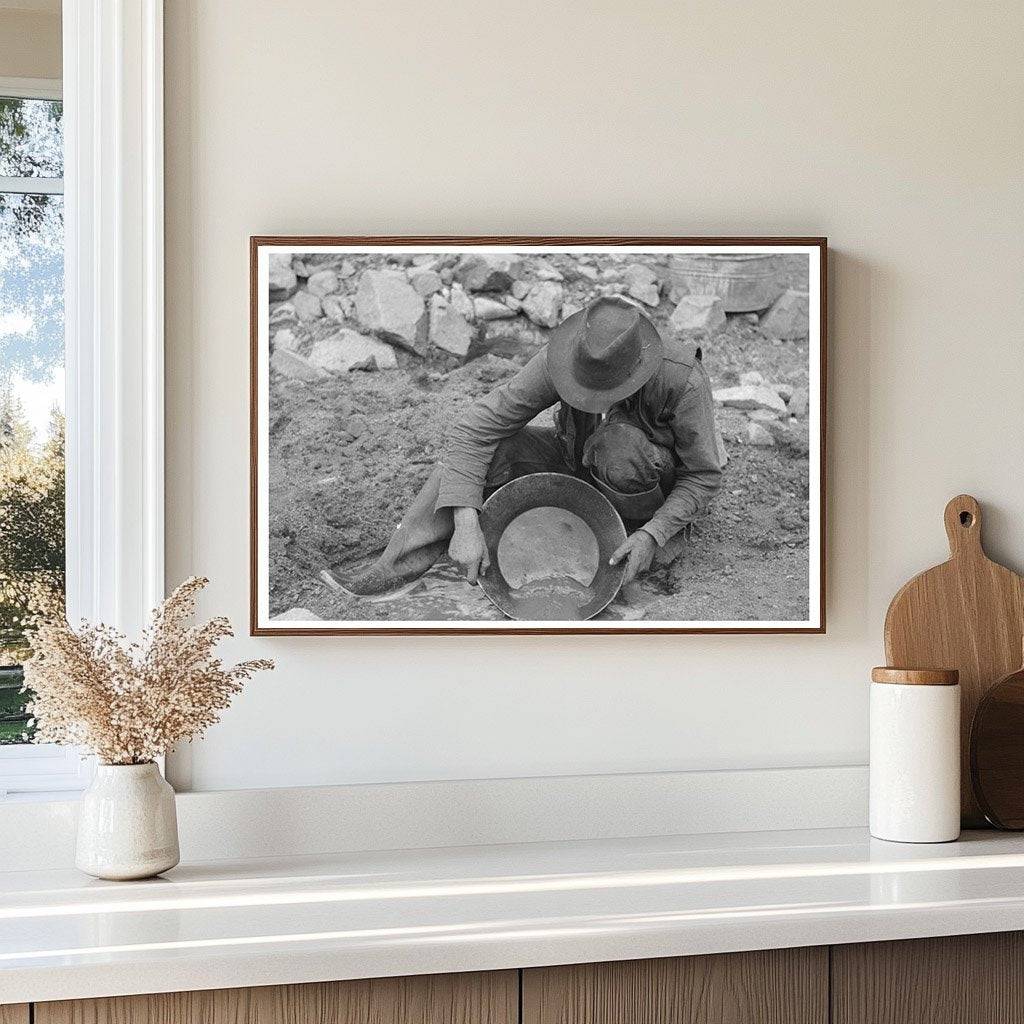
537 435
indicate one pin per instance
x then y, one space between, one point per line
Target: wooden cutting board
967 614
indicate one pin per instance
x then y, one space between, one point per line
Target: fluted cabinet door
14 1013
490 998
960 979
777 986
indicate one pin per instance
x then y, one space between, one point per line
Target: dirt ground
348 453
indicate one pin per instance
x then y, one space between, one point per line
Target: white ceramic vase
127 825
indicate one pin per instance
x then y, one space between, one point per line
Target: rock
568 309
590 273
789 317
323 282
784 391
750 396
544 272
297 615
424 259
543 303
513 303
291 364
346 270
337 307
447 276
763 415
284 339
425 281
489 309
281 314
799 402
642 284
520 289
282 278
349 350
751 377
449 329
479 273
389 306
299 266
759 435
461 303
698 313
307 306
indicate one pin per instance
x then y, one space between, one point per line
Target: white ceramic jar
915 755
127 824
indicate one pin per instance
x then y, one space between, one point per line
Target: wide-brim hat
602 354
549 537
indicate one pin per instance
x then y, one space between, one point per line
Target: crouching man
635 418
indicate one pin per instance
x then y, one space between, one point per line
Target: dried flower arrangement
130 703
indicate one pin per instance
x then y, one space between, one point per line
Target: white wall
895 129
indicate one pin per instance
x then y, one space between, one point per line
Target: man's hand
639 549
468 547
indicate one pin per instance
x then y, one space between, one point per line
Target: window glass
31 139
31 387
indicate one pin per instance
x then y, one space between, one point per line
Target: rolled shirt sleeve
698 471
499 414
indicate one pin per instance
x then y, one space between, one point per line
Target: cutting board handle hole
966 519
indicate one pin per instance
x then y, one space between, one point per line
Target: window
101 187
32 549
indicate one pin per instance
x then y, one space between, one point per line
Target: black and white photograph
501 435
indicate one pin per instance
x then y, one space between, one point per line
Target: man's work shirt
674 409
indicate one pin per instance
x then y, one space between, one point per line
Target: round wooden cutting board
967 614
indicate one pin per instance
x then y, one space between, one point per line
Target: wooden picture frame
262 623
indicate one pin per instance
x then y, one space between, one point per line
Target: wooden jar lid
916 676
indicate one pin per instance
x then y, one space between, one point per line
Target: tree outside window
31 387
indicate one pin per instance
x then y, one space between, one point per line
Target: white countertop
262 922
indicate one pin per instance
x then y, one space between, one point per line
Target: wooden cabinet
962 979
777 986
491 998
970 979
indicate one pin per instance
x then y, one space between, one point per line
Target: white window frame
114 324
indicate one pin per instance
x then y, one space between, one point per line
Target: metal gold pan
549 537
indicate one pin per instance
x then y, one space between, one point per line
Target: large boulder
642 284
282 278
323 282
449 329
698 313
750 396
543 303
390 307
349 350
307 306
291 364
789 317
477 272
425 280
